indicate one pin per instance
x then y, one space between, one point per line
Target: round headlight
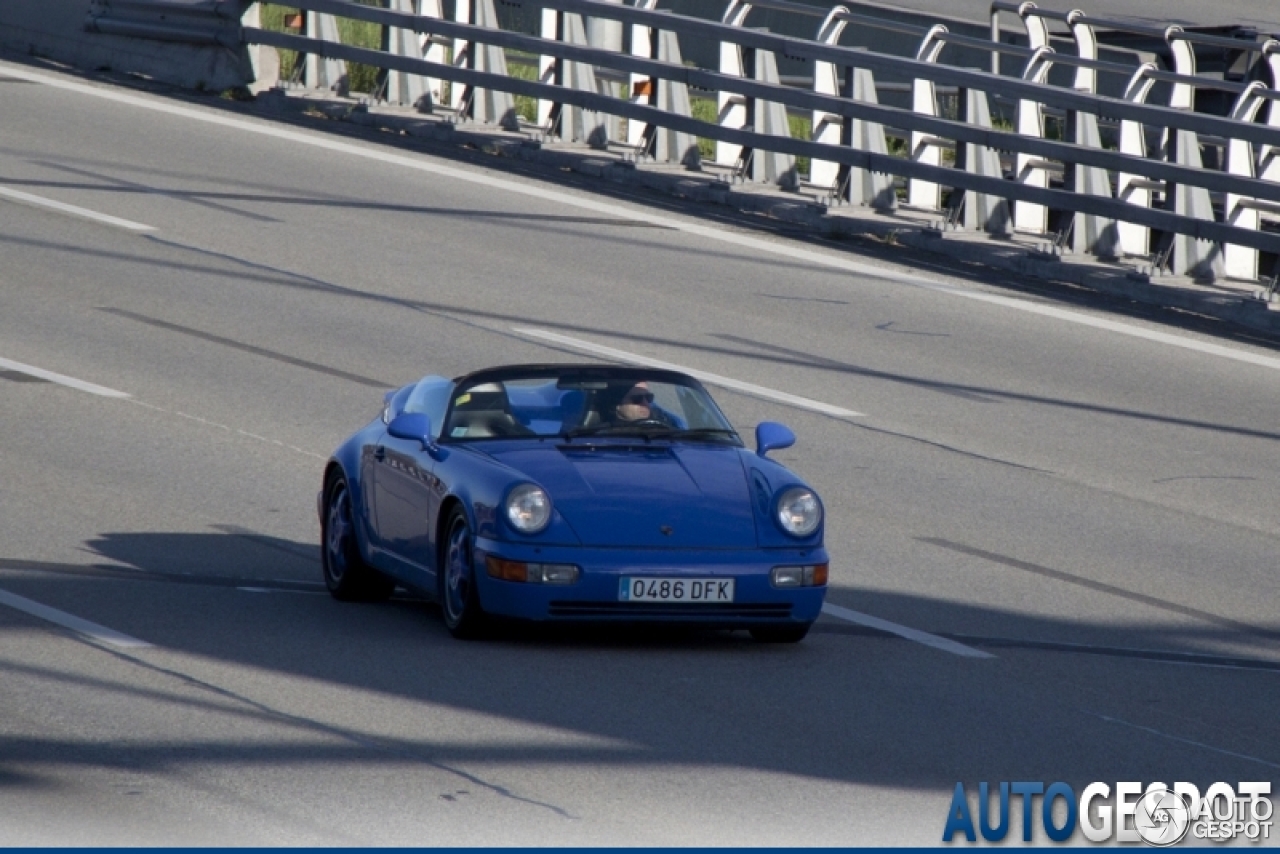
528 508
799 512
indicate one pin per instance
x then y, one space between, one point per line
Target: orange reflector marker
507 570
819 574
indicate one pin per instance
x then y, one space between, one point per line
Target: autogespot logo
1162 817
1158 815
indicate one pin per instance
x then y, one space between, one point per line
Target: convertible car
584 493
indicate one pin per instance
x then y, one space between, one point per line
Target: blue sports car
586 493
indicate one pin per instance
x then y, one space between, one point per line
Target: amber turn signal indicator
507 570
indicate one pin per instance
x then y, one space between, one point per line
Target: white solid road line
90 630
944 644
62 379
542 193
73 210
714 379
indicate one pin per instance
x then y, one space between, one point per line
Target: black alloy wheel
347 576
459 599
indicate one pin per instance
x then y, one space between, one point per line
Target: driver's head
636 403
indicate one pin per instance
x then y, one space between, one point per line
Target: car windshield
573 402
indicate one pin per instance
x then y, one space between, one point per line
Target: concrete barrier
56 29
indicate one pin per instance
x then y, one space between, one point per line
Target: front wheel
780 634
347 576
459 598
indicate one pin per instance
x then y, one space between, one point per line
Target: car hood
644 496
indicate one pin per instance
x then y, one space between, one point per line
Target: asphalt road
1086 499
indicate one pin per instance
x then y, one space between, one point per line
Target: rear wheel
781 634
459 599
346 574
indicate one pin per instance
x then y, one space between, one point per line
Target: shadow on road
845 705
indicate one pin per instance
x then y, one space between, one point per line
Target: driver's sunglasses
639 397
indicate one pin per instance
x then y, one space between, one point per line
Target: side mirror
772 436
414 426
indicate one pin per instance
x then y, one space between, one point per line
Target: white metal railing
1182 147
1109 198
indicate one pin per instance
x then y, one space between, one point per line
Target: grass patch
801 128
526 106
706 110
360 77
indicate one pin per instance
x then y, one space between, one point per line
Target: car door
405 489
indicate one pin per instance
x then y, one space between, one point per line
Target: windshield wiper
615 430
702 433
659 433
584 431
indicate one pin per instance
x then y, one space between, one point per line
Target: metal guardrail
212 22
848 148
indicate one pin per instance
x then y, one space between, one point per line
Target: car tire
780 634
346 574
459 598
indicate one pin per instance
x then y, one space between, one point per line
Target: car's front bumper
595 596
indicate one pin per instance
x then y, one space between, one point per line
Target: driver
637 407
636 404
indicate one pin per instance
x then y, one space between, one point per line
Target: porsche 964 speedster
587 493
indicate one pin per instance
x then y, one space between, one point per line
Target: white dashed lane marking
80 626
713 379
62 379
944 644
73 210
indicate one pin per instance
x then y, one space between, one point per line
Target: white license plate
676 590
